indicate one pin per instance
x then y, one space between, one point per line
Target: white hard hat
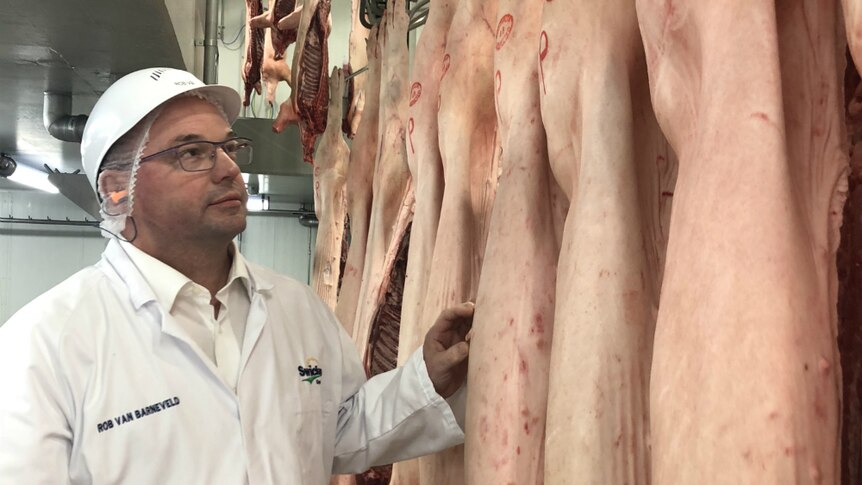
131 99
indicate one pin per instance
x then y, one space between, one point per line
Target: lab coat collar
140 291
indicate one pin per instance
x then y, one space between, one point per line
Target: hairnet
118 172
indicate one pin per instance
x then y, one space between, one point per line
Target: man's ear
112 182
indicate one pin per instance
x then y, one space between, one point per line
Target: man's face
175 206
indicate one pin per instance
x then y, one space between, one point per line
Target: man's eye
190 152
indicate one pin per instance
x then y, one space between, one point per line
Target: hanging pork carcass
309 98
426 168
745 383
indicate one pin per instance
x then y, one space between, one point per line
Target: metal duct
308 220
211 43
58 120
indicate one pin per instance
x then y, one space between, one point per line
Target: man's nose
225 167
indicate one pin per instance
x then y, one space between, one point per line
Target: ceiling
71 47
80 47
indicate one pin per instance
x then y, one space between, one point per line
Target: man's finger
456 354
457 312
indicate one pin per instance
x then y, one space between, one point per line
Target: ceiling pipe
211 43
58 120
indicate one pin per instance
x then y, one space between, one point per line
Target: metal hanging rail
49 222
371 12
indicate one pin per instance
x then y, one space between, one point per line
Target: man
175 361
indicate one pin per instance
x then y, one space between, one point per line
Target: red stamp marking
504 29
415 93
446 61
410 134
543 52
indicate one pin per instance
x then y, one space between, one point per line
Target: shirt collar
166 282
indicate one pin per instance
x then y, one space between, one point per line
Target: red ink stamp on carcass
410 134
446 61
543 52
504 29
415 93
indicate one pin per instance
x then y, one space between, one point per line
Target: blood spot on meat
604 273
504 30
667 194
415 93
819 410
805 367
505 377
747 455
511 322
518 450
540 344
484 429
526 427
761 116
523 366
618 440
446 61
538 324
525 412
773 415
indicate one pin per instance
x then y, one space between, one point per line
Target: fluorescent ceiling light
33 178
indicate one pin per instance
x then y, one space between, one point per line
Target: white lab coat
99 385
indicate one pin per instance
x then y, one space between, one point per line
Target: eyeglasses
200 156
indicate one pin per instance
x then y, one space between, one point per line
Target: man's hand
446 349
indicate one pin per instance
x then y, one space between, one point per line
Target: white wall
280 243
34 258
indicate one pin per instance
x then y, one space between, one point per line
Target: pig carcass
279 23
272 70
426 169
850 260
744 386
469 149
358 59
360 180
392 201
310 95
850 290
616 169
513 324
330 200
253 56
